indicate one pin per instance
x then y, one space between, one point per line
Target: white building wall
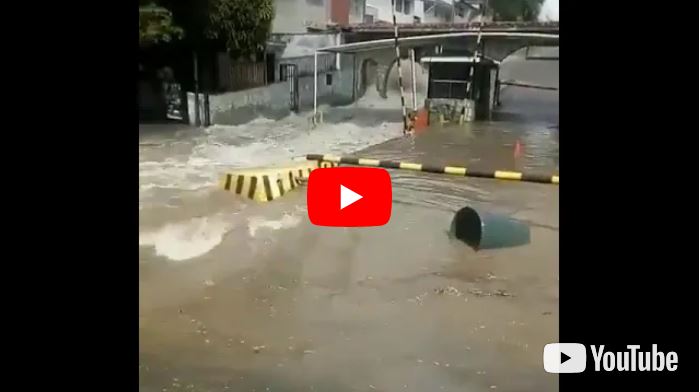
418 9
381 9
293 16
357 11
443 13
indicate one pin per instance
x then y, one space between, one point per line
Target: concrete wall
384 59
305 65
273 100
492 90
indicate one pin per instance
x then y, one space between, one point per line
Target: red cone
517 151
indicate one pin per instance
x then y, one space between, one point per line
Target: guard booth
460 89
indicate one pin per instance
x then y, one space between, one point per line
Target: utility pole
197 120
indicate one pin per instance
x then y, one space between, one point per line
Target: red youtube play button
349 197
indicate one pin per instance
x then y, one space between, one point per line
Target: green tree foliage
156 25
512 10
243 25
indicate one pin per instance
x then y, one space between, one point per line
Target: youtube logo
564 358
349 197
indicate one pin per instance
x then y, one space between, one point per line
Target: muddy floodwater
239 296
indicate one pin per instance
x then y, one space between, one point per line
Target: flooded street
239 296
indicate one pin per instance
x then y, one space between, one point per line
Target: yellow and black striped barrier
453 170
269 183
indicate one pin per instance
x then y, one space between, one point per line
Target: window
448 80
404 6
329 79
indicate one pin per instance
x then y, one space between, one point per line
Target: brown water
236 296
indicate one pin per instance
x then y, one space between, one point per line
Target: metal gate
175 101
290 73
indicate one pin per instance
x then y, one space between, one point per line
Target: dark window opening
404 6
448 80
329 79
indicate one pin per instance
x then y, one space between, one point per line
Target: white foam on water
372 100
288 139
260 142
306 44
287 221
187 239
549 11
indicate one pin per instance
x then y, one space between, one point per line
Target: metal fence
243 75
234 76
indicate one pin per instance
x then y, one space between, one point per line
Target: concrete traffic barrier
453 170
265 184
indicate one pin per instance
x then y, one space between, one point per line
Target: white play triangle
347 197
